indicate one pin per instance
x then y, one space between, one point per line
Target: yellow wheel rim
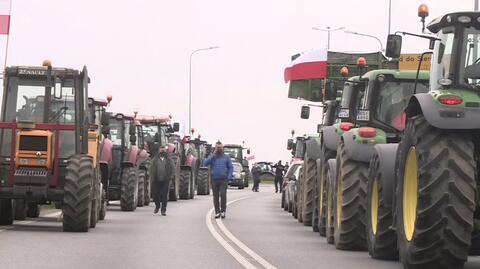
374 207
410 194
339 199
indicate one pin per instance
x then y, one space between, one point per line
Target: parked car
238 176
266 170
290 186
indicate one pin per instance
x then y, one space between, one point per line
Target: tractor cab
44 142
385 99
156 131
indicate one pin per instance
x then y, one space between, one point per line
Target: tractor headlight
42 162
23 161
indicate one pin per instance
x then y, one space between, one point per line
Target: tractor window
234 153
30 103
126 133
393 99
116 132
470 58
444 49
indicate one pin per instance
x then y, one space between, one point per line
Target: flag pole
8 35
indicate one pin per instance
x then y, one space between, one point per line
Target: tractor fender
185 167
355 151
142 156
132 155
126 165
443 117
313 148
387 156
106 151
331 139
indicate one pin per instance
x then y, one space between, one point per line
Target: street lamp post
190 86
360 34
328 30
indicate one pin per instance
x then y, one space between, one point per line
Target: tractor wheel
129 189
185 181
174 193
299 201
308 190
147 192
103 208
350 206
381 239
436 189
6 212
330 202
193 185
322 189
248 176
77 200
33 210
96 202
19 209
316 198
202 182
141 188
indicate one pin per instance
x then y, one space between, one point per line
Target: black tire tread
129 192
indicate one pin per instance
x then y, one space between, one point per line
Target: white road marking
239 257
26 222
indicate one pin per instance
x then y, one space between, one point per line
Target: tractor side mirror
105 120
394 46
290 144
132 130
105 130
305 112
176 126
248 151
133 139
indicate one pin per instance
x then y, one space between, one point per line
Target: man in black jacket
279 172
162 172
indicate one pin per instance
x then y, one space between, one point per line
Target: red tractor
123 163
155 132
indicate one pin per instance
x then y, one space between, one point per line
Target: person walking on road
221 170
256 178
162 171
279 172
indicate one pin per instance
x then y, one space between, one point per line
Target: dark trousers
256 182
160 194
278 184
219 189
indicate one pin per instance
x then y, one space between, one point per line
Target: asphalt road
257 233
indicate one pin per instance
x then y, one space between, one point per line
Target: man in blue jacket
221 170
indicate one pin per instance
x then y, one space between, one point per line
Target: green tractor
379 120
236 152
434 192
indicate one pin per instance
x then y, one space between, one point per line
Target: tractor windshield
26 101
460 47
116 131
235 153
393 98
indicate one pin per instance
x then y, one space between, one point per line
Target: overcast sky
138 51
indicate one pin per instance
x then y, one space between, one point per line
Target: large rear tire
299 201
147 190
322 189
381 238
141 188
330 175
350 206
96 201
77 199
19 209
103 208
33 210
435 196
174 191
129 189
185 181
6 212
308 188
203 187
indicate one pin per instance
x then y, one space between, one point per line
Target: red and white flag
251 157
4 24
309 65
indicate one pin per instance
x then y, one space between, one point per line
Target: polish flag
4 24
309 65
251 157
